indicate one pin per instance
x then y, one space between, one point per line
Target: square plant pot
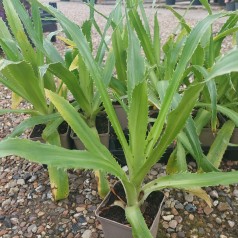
207 137
121 115
64 132
103 134
115 229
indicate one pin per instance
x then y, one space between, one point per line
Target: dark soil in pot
63 127
117 214
37 131
102 124
115 146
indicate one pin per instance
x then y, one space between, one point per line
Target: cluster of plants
187 80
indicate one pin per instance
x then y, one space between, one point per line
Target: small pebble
208 210
223 206
179 206
235 193
231 223
20 182
40 189
6 202
14 220
168 217
173 224
165 225
87 234
181 234
190 207
32 228
218 220
188 197
32 179
214 194
201 231
191 217
179 219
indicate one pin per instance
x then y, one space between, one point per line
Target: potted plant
21 72
144 148
218 94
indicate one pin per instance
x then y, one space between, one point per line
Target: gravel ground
26 207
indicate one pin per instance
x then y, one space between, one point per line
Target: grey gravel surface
26 206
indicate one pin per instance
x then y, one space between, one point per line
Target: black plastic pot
121 115
117 230
36 135
104 137
196 2
221 3
47 24
170 2
230 6
207 137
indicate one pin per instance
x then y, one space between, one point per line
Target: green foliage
24 73
182 74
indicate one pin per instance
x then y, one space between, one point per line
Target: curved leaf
190 46
22 76
57 156
32 121
220 144
191 181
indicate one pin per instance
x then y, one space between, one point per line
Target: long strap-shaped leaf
77 123
220 144
8 45
32 121
33 27
190 181
143 36
35 35
188 50
225 65
224 110
137 124
95 71
57 156
119 49
18 31
71 82
25 111
175 123
135 63
197 152
21 75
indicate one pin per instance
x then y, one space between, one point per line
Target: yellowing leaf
199 192
16 100
67 41
74 64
